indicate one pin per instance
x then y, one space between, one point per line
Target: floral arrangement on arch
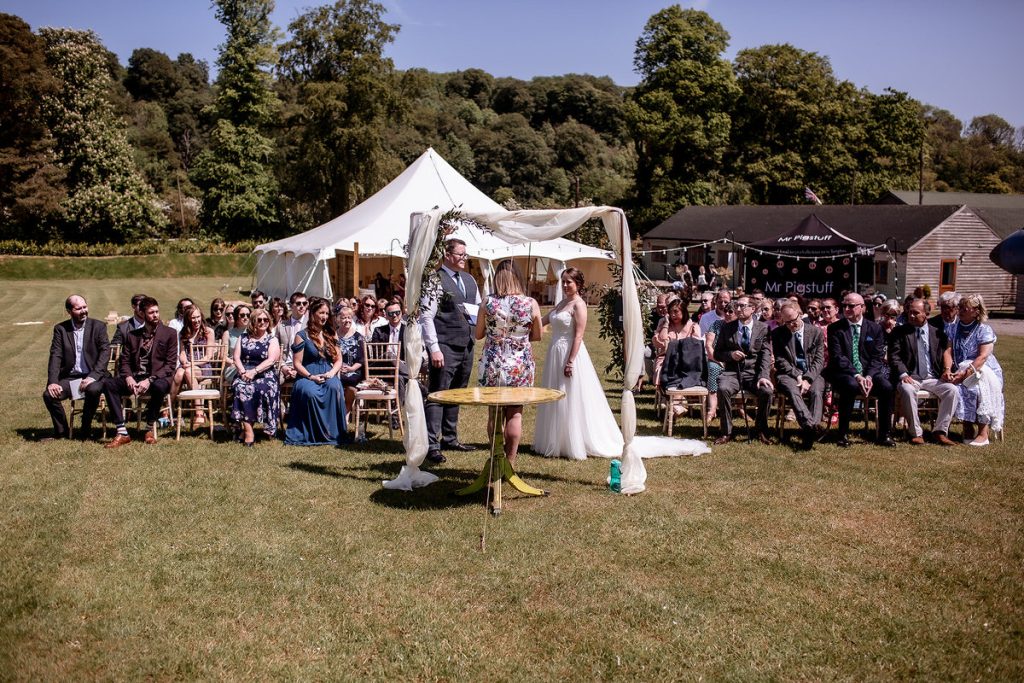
430 288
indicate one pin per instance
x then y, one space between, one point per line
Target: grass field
233 266
190 560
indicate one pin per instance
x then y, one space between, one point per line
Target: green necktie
856 349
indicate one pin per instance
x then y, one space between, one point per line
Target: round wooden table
498 468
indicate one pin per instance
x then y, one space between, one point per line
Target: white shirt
290 330
81 367
707 320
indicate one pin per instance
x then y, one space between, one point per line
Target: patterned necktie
801 357
856 349
460 285
923 366
745 339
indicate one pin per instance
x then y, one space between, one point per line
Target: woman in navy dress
350 341
257 393
316 414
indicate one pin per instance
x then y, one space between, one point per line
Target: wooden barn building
945 246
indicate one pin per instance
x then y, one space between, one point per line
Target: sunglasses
218 308
243 315
301 303
394 314
262 320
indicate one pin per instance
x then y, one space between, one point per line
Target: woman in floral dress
256 389
508 321
350 343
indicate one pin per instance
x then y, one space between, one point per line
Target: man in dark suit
857 367
133 323
394 333
148 359
78 363
744 348
799 359
448 321
918 356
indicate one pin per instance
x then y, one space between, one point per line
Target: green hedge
126 267
139 248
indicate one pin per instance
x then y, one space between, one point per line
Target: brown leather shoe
724 439
150 437
942 439
917 441
119 440
764 438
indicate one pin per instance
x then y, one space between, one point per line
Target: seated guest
888 317
949 308
288 329
196 348
79 353
366 317
659 311
714 367
146 366
216 321
857 368
351 343
258 299
394 333
707 302
316 413
179 314
722 299
241 316
918 358
744 349
799 350
256 388
813 311
977 372
676 326
133 323
278 312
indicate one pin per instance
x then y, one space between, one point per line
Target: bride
582 423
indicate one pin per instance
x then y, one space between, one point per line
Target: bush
134 248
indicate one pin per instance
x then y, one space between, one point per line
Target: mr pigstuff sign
813 278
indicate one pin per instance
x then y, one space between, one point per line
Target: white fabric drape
519 227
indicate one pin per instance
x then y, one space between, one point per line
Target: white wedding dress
582 423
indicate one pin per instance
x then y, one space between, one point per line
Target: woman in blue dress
977 371
316 413
256 389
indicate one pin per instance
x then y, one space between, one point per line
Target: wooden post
355 269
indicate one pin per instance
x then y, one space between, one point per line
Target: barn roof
872 223
972 199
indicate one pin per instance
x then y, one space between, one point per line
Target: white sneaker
978 443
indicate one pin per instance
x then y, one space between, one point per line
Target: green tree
792 125
679 113
31 184
346 93
108 199
240 194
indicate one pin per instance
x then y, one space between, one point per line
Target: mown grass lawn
192 560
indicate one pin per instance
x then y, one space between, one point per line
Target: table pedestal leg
498 469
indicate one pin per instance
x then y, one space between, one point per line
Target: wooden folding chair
208 393
381 362
682 397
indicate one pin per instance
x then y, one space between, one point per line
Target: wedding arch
520 227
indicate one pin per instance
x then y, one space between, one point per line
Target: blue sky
962 55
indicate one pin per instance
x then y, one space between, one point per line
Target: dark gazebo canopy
812 237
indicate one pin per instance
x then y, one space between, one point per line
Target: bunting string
862 251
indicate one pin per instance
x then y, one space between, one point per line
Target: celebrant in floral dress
509 321
256 387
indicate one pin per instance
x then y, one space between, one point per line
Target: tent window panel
881 272
947 275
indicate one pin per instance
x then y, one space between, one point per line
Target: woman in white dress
582 423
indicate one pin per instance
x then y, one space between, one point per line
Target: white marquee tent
380 227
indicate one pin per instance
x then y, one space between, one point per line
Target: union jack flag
810 196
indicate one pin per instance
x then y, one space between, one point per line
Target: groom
448 336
